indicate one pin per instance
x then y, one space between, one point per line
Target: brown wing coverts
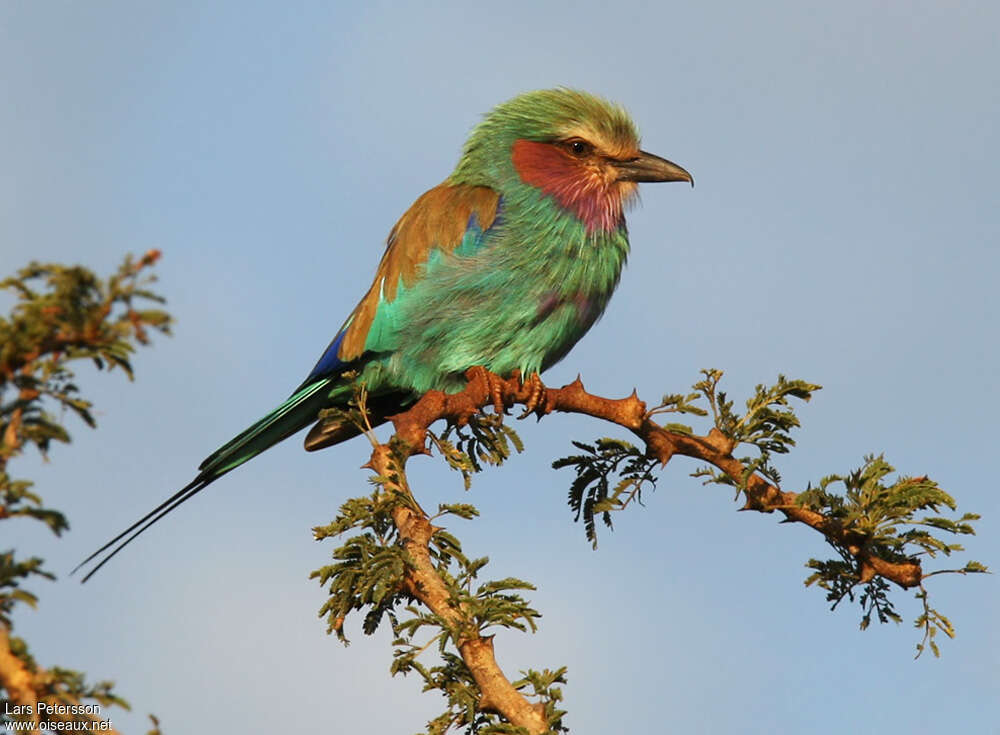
438 219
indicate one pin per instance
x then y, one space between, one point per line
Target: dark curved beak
647 167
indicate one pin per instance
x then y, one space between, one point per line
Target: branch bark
16 678
26 687
423 583
483 389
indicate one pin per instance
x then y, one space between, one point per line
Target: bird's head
578 149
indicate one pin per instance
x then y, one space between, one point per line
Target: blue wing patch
474 237
329 363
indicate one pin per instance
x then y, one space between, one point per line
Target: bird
504 266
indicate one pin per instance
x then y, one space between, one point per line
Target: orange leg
494 384
536 401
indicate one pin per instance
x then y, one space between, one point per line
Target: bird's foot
537 399
494 385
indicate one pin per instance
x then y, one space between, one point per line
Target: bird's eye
579 148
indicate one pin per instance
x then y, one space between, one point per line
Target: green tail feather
294 414
290 417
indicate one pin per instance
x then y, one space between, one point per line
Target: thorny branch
484 388
423 583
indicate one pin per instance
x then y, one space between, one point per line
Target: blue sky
844 230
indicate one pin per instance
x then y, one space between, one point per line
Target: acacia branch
27 687
422 580
714 448
16 678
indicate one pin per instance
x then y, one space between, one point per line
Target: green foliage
453 679
841 578
931 621
62 314
679 403
612 473
595 489
12 573
70 687
59 686
488 605
17 499
485 440
369 575
765 425
368 567
75 316
884 514
543 687
882 518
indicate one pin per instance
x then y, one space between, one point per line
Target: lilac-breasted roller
505 265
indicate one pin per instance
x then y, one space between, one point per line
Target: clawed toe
494 385
536 401
531 392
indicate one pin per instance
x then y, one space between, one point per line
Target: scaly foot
537 401
494 384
